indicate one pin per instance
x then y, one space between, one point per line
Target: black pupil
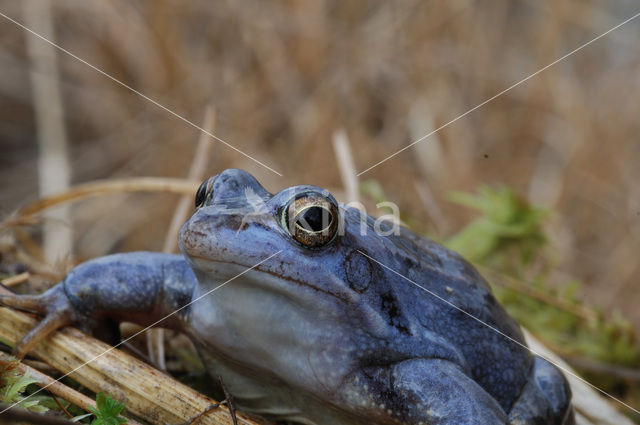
313 219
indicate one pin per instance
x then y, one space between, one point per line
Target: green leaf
507 222
13 385
108 411
14 389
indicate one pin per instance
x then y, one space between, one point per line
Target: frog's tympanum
332 329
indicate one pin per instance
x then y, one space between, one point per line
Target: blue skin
318 335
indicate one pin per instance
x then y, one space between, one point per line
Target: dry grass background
285 75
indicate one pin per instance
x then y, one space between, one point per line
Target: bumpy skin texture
326 335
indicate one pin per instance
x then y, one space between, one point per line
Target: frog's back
450 299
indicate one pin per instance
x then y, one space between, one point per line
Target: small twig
346 165
66 412
41 366
103 187
229 399
200 415
17 279
611 370
19 415
137 352
511 283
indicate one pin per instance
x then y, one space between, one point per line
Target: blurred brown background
285 75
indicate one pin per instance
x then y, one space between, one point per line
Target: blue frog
312 317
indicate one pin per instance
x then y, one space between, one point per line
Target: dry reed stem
342 150
155 337
148 393
105 187
196 173
54 168
56 387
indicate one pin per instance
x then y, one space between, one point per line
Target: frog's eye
311 219
204 192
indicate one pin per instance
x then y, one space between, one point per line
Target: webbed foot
55 307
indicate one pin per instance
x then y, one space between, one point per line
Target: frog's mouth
228 271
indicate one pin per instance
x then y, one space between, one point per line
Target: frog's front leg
427 391
138 287
545 398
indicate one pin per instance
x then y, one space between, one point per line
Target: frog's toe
545 398
53 304
50 324
32 303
